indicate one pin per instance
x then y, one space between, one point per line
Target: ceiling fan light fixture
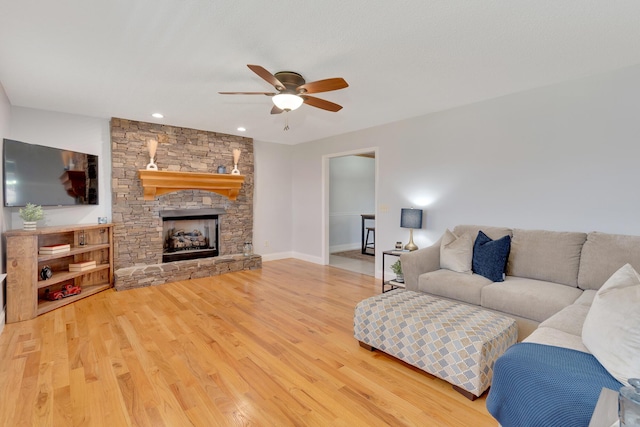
287 101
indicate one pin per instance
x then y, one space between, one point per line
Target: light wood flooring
270 347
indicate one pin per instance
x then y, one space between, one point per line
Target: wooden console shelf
25 287
47 306
157 183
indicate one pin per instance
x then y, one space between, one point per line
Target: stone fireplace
141 226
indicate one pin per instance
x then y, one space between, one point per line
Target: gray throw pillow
456 252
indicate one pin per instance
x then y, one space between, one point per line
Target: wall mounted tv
48 176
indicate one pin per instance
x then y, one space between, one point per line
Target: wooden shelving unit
25 287
47 306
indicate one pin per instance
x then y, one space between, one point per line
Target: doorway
352 194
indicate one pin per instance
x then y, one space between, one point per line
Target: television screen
48 176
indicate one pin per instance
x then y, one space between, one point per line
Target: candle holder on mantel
236 157
152 144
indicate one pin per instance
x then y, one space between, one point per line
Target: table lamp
411 218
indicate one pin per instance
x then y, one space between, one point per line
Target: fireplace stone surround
138 231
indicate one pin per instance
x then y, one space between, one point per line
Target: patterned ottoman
453 341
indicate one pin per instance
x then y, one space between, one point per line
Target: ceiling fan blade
267 76
276 110
323 85
321 103
247 93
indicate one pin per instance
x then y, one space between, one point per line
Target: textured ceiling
129 58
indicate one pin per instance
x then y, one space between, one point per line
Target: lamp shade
287 101
411 218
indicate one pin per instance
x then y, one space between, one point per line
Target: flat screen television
48 176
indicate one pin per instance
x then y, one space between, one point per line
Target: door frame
326 185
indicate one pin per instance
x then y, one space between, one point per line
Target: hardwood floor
270 347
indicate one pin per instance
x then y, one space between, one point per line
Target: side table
605 413
391 284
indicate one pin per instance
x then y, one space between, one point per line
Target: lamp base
411 246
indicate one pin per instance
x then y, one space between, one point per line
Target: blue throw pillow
490 256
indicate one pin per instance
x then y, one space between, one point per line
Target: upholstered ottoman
455 342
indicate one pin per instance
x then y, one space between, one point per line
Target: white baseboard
296 255
276 256
345 247
304 257
308 258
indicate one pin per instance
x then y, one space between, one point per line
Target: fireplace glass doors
190 234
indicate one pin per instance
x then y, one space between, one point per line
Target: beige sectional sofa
550 280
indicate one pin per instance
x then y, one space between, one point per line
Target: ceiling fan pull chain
286 120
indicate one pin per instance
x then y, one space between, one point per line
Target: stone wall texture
137 232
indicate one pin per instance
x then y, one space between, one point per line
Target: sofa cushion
557 338
490 256
570 319
586 298
493 232
551 256
612 328
603 254
457 286
532 299
456 252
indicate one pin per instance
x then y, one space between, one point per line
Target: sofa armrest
418 262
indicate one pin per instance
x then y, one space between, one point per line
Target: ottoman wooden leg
366 346
465 393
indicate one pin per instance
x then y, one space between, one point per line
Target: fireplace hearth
190 234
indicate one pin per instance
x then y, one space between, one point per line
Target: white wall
351 193
78 133
562 157
272 201
5 118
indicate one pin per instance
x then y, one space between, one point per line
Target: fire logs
179 240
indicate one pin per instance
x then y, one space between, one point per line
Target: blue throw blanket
537 385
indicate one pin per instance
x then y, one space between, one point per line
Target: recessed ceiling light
242 129
157 115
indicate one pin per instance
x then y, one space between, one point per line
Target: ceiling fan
293 91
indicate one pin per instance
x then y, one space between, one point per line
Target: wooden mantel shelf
157 183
